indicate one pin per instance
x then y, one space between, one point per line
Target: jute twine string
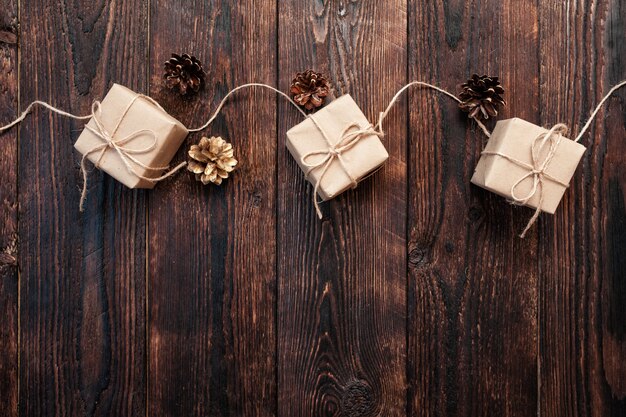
346 141
110 142
241 87
395 98
537 171
125 153
348 138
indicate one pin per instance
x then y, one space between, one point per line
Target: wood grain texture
413 296
341 280
8 211
472 283
82 283
212 249
583 292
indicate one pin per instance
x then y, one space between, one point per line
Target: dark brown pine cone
309 89
481 97
185 73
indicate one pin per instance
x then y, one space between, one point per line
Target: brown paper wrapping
514 138
142 114
362 159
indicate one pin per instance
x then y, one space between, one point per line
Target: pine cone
211 160
185 73
481 96
309 89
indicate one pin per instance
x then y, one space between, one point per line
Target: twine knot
348 138
334 152
536 170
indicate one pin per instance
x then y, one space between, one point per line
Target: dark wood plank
583 291
342 280
212 249
8 211
472 281
82 287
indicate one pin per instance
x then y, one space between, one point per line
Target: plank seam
276 211
17 215
407 172
147 234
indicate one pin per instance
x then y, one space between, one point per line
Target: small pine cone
185 73
481 97
211 160
309 89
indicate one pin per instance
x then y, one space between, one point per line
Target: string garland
344 143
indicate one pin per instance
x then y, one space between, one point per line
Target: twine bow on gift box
117 144
536 170
347 140
110 142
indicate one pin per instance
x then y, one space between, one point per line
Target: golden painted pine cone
211 160
481 97
185 73
309 89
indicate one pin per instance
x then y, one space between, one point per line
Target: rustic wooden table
411 297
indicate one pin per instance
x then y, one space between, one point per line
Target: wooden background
411 297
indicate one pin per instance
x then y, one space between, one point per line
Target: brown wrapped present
131 138
336 148
527 164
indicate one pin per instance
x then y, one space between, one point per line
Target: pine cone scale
195 167
316 100
198 154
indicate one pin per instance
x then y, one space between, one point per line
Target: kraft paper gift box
124 114
331 123
507 163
